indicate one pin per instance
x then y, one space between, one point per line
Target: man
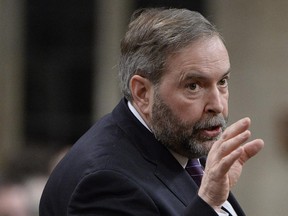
174 72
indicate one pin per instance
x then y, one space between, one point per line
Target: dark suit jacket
119 168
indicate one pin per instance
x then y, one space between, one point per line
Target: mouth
212 132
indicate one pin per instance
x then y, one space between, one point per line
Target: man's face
190 107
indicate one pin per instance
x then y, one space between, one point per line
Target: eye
193 87
224 82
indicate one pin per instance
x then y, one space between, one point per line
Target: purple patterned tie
195 170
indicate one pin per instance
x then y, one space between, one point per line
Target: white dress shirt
183 161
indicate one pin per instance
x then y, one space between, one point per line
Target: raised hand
225 162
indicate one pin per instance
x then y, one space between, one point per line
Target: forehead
207 56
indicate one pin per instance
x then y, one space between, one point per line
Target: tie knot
193 162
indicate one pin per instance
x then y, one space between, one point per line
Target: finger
233 143
251 149
236 128
231 150
229 160
230 145
232 131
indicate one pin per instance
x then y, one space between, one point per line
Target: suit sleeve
110 193
198 207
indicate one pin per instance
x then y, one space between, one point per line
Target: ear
142 93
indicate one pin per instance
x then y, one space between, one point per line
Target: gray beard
183 137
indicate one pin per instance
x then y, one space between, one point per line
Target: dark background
60 42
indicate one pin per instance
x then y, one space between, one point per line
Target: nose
215 101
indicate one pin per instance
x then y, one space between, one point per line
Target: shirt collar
137 115
181 159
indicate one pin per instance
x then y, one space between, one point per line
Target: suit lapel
167 168
177 181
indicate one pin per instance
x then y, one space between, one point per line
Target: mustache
210 122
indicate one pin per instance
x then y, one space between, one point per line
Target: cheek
187 110
226 105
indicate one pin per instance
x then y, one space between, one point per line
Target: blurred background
58 75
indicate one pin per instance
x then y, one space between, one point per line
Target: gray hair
152 36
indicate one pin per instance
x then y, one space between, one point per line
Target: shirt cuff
221 212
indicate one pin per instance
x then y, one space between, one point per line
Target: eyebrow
199 76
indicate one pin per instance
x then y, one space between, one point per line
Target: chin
200 149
